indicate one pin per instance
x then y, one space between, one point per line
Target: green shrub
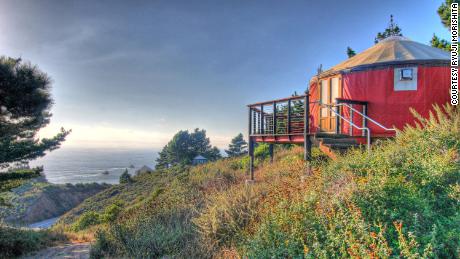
110 213
21 174
87 219
15 242
262 151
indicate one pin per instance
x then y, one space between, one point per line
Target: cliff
37 200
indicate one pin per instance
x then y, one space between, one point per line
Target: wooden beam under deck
279 139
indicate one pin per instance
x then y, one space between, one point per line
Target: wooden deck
287 121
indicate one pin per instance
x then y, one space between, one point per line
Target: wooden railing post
274 118
306 131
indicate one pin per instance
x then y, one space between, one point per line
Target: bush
87 219
21 174
262 151
15 242
110 213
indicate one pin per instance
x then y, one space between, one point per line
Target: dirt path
75 250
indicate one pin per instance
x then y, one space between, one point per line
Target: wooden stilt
306 135
251 159
251 146
270 149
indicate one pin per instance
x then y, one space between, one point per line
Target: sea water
86 165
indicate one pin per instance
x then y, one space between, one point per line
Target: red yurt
383 82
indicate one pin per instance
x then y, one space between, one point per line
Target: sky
132 73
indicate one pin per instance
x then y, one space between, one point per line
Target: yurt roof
392 50
200 157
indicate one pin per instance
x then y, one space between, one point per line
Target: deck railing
278 117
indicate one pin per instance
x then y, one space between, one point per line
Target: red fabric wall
386 106
389 107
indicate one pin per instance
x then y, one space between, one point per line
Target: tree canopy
25 103
444 15
184 146
237 147
392 30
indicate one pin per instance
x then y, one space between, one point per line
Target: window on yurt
405 79
334 89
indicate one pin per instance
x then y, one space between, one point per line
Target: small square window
406 74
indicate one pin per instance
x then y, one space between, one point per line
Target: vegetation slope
400 200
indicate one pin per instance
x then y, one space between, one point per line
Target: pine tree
444 14
237 147
391 30
125 177
25 103
350 52
440 43
184 146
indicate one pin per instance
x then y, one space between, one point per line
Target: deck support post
270 150
251 159
251 144
306 131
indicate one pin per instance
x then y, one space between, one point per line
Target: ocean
86 165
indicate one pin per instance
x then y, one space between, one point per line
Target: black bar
262 119
364 119
274 118
337 121
306 136
289 117
341 100
251 156
250 122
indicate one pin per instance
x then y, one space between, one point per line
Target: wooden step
342 145
333 144
339 140
330 135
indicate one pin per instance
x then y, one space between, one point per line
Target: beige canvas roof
394 49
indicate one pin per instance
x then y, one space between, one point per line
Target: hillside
37 200
400 200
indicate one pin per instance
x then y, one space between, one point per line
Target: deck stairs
333 144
